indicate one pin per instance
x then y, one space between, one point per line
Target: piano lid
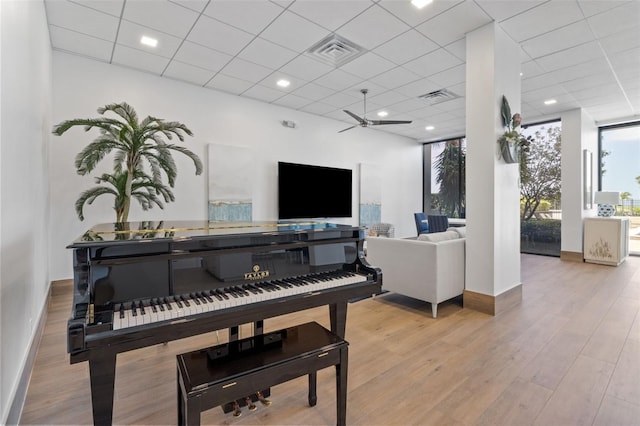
185 230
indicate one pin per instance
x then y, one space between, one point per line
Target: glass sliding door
444 178
540 179
619 168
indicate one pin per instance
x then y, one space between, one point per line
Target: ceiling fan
364 122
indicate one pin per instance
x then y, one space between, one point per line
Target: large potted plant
142 158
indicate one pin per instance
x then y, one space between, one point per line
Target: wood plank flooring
568 355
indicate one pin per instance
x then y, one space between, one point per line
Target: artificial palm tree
137 146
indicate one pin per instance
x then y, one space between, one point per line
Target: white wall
81 86
25 122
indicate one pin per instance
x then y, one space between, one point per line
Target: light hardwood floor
568 355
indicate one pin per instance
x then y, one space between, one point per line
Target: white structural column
492 187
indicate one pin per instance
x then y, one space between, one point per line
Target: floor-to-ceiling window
540 209
444 178
619 168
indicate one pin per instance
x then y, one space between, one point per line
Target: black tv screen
306 191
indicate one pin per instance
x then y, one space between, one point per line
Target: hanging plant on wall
513 145
142 158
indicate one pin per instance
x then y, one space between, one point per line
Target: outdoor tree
450 165
540 171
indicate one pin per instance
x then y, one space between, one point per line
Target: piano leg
338 317
102 373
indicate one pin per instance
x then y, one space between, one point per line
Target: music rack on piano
139 284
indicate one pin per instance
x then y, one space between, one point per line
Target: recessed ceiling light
283 83
429 128
383 114
420 3
521 74
550 102
148 41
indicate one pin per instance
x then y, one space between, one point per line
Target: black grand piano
139 284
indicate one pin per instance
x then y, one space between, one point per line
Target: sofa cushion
436 237
460 230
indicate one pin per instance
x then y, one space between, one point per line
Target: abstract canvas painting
370 194
230 196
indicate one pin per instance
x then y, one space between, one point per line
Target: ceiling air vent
438 96
335 50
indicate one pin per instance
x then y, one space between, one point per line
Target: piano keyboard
149 311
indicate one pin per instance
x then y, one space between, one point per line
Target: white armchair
425 270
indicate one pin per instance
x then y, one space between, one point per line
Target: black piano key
185 300
207 297
168 304
141 306
121 310
195 298
153 306
160 304
215 294
178 302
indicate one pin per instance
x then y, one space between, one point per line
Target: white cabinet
606 240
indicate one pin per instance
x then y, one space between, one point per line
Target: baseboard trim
17 403
492 305
572 256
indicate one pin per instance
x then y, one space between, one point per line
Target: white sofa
430 268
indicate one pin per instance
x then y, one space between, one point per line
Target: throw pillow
436 237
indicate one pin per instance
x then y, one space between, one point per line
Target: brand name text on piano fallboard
257 274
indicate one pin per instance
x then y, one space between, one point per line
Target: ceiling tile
313 92
541 19
342 99
82 19
292 101
72 41
625 17
450 77
621 41
594 7
458 49
408 105
433 63
161 15
203 57
216 35
504 9
251 16
538 82
589 81
306 68
560 39
263 93
418 88
229 84
130 35
368 65
245 70
138 59
195 5
413 16
306 33
112 7
405 47
388 98
395 77
337 80
188 73
330 14
359 30
467 17
573 56
268 54
318 108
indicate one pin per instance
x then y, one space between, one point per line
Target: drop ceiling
582 53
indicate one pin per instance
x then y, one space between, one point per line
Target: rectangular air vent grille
438 96
335 50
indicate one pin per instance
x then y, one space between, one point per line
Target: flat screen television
306 191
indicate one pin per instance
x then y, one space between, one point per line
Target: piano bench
219 375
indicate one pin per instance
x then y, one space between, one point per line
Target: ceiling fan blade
348 128
378 122
360 120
